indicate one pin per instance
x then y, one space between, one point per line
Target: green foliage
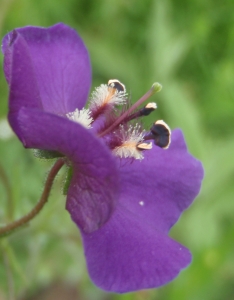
188 47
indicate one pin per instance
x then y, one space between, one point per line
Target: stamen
150 107
161 134
116 84
110 94
81 116
131 140
156 87
145 111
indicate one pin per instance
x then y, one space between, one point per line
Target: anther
161 134
149 108
144 146
117 85
145 111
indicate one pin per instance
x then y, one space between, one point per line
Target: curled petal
127 255
52 63
94 187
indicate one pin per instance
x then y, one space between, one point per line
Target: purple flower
125 193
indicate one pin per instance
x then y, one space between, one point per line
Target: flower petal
127 254
24 90
59 62
94 187
158 188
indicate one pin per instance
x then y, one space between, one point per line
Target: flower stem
44 198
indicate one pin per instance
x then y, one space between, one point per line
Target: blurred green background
187 46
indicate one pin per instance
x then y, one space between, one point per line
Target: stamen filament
145 111
156 87
149 137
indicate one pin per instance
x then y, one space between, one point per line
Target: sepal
67 180
46 154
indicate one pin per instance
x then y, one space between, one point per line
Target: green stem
44 198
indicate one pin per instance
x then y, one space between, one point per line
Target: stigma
120 122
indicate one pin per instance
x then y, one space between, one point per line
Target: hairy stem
44 198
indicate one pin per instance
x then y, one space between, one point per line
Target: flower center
118 127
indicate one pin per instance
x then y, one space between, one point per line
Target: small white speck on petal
142 203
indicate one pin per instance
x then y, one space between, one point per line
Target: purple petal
94 187
58 61
24 90
158 188
127 254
